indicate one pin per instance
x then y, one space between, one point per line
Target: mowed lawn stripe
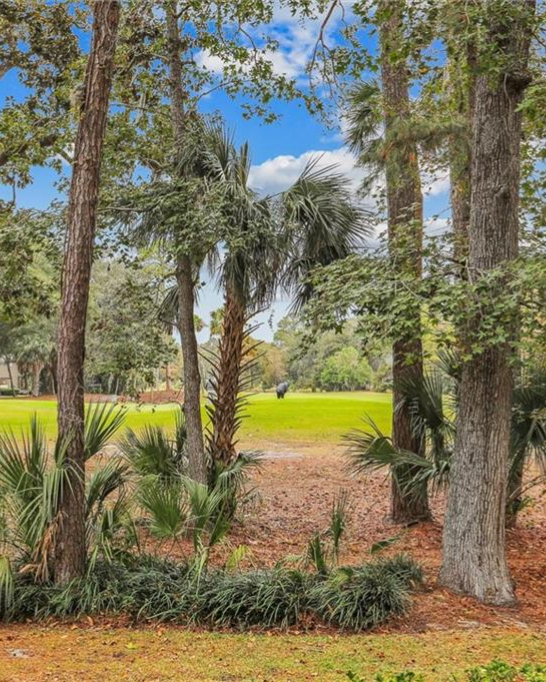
299 418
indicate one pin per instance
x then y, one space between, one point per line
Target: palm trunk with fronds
405 227
227 380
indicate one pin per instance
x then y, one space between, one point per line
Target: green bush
359 598
148 588
265 598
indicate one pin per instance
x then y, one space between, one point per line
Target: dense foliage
147 588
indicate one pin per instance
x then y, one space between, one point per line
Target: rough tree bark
474 545
405 231
184 273
70 550
228 380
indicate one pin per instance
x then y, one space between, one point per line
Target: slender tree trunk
474 544
36 373
10 374
184 274
405 226
228 380
70 550
53 370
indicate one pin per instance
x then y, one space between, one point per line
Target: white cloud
277 174
437 226
296 39
434 187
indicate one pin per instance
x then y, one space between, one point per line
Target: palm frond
151 452
363 114
166 505
102 421
324 223
105 480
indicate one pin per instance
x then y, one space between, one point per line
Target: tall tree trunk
474 544
184 273
36 373
70 550
228 380
10 375
405 227
463 91
192 378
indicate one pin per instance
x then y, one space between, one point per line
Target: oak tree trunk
474 544
184 274
228 380
405 230
70 550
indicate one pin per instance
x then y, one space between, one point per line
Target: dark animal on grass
282 390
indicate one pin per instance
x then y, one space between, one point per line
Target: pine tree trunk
229 371
405 227
474 544
70 550
184 274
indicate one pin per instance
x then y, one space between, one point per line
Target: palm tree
248 275
271 243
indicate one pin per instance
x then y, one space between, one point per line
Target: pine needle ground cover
299 418
102 652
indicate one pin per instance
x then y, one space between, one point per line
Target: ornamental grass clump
152 589
265 598
359 598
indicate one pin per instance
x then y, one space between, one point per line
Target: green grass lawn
299 418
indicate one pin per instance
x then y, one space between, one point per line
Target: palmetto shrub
32 481
174 506
432 402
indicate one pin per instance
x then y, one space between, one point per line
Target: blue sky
279 150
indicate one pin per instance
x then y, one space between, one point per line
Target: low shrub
359 598
147 588
496 671
265 598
